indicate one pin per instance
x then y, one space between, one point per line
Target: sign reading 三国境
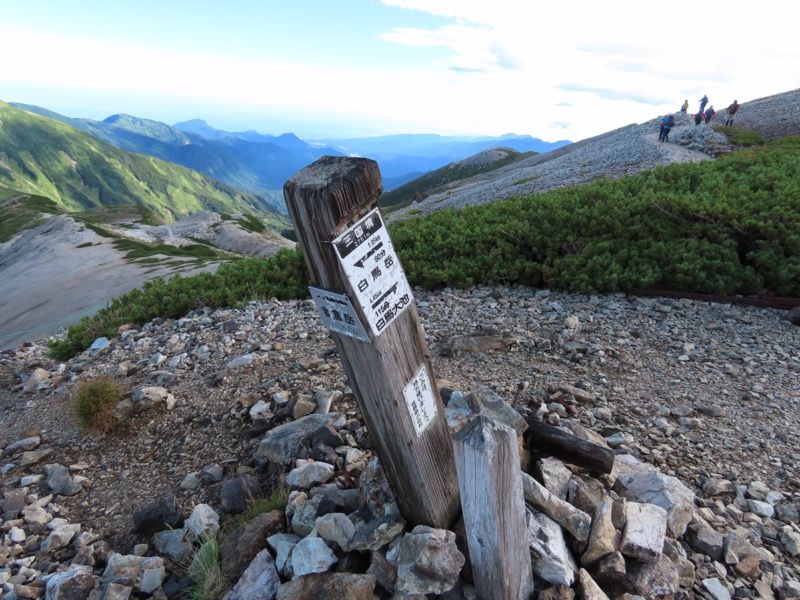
374 271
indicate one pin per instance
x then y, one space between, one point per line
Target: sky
357 68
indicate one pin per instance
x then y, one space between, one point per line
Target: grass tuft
205 571
93 401
277 499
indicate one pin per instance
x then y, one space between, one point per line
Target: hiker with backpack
685 106
698 118
667 123
710 112
703 102
731 111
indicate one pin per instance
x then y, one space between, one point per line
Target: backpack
670 121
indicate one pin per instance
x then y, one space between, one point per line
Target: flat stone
645 528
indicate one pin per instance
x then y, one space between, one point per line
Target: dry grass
92 403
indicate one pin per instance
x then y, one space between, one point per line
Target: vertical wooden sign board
353 265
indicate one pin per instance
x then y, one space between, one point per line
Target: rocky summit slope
705 396
625 151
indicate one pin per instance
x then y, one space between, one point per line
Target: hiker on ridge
667 123
698 118
710 112
685 106
703 102
731 111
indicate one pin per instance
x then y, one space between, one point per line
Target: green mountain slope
43 157
438 180
247 161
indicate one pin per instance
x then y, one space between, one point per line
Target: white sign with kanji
338 314
371 265
419 397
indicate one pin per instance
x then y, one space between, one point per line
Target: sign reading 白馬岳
373 269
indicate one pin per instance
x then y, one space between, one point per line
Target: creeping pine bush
93 401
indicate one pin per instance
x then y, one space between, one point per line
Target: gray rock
23 445
59 480
241 546
211 474
603 539
429 561
736 548
312 555
554 476
305 514
260 580
171 542
71 584
336 527
158 516
791 542
325 399
203 522
550 557
653 579
762 509
377 533
588 588
237 493
641 482
282 544
706 540
309 474
282 443
645 528
716 589
60 537
329 585
574 520
484 401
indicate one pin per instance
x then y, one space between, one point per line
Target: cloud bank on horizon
373 67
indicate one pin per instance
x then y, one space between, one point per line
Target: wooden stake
333 205
487 460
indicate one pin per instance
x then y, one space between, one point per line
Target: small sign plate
419 398
373 269
338 313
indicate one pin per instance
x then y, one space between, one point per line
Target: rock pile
702 501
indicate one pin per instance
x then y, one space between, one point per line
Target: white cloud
613 62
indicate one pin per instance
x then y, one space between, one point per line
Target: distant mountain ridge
260 163
43 157
249 162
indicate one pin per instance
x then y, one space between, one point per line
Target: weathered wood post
487 459
364 298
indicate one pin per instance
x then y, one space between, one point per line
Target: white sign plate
338 314
371 265
419 398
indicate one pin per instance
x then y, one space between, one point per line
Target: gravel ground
701 389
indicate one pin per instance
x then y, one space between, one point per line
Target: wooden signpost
364 298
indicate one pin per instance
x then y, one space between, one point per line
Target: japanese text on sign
338 314
419 397
371 265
